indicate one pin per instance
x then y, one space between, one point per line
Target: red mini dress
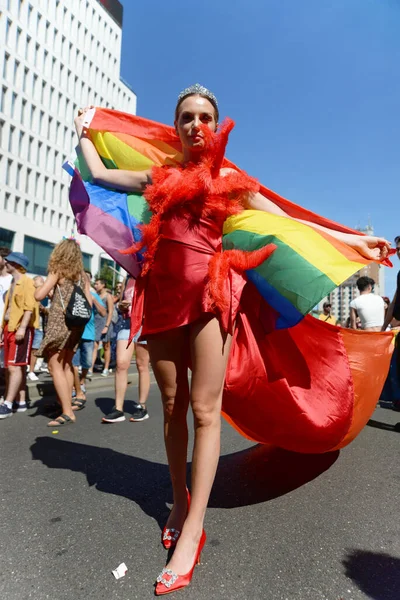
177 287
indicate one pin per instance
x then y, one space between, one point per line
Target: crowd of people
42 329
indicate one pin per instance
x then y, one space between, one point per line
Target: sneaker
32 377
5 411
105 372
89 374
139 414
44 370
18 407
115 416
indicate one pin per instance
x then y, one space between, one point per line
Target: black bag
78 312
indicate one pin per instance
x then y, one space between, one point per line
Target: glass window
8 31
28 47
28 180
34 84
30 146
49 126
25 79
11 138
38 21
8 171
21 142
18 176
17 206
26 208
32 117
30 15
37 180
47 34
2 123
41 119
43 92
23 112
6 236
87 260
7 201
36 57
13 104
18 39
40 155
6 65
16 71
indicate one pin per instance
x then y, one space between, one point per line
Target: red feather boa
199 190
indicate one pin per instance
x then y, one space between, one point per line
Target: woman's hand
369 246
124 305
80 118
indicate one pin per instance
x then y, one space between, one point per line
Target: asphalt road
77 503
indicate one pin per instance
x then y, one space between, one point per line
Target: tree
106 274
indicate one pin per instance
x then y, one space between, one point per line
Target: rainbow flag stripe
307 264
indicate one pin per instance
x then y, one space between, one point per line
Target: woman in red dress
186 299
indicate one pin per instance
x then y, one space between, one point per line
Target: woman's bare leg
67 356
107 355
142 365
169 359
209 351
95 351
62 382
124 357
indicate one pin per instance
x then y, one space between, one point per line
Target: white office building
55 56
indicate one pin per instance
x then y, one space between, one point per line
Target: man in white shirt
369 307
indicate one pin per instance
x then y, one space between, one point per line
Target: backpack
78 312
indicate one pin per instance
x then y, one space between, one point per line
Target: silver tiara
197 89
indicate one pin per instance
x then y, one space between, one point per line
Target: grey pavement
77 503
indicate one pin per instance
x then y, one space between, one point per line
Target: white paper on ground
120 571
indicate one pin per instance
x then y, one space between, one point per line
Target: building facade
55 56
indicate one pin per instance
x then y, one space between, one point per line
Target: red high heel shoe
168 581
170 536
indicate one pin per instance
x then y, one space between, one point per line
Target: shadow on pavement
262 473
144 482
385 426
106 404
248 477
375 573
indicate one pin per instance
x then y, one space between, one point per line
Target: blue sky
313 86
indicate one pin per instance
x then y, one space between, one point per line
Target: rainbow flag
306 266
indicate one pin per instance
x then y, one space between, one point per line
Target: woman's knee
122 365
206 408
142 366
174 407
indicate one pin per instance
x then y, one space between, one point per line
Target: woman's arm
49 284
370 247
128 181
101 309
353 318
86 288
389 313
110 308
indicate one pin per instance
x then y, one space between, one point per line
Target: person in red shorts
20 317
